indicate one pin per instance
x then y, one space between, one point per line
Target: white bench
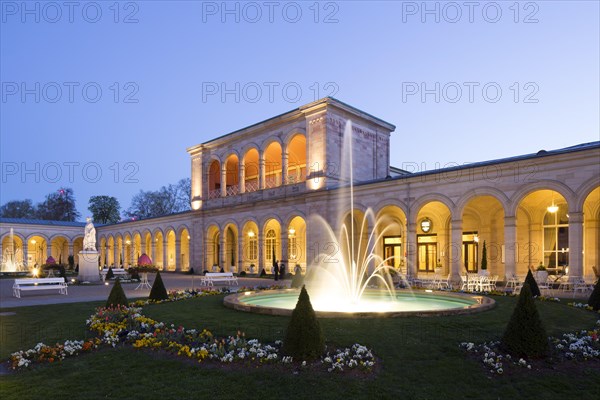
39 284
211 277
116 271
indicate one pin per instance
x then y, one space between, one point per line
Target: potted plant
541 273
252 268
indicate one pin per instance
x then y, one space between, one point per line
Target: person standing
276 270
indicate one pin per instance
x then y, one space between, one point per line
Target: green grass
419 358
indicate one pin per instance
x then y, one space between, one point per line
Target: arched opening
296 150
232 175
119 252
296 251
250 248
433 238
137 247
483 222
171 251
37 248
148 246
12 254
110 254
273 165
231 255
128 252
185 249
103 251
542 232
591 234
390 227
77 247
213 249
159 250
272 248
60 249
251 170
214 180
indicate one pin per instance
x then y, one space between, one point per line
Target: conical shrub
525 335
533 286
304 338
117 296
158 291
594 300
110 274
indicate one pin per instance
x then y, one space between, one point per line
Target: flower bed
128 326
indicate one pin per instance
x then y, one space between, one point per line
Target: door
427 252
392 251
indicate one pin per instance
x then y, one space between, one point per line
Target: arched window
292 245
252 246
556 238
270 243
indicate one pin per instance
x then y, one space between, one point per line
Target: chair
463 281
445 283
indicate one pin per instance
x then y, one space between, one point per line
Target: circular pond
372 304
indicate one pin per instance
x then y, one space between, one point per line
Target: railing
295 177
251 186
214 194
232 190
271 182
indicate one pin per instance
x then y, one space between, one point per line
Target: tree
484 257
117 296
105 209
525 335
58 206
304 338
167 200
18 209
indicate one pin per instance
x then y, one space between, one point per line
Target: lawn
419 358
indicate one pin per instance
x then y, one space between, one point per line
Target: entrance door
427 252
470 251
392 251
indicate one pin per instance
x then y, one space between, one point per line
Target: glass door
470 251
392 251
426 252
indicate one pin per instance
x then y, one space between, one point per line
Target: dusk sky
92 88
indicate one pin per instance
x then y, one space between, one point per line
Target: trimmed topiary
117 296
242 273
110 274
158 291
263 273
594 300
525 335
533 286
304 338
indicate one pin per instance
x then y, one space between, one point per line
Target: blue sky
538 62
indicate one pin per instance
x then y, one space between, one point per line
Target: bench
39 284
210 278
116 272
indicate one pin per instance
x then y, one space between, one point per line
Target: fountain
10 257
352 280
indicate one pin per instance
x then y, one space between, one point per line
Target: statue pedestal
88 266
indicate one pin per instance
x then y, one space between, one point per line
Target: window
270 244
252 247
292 249
556 238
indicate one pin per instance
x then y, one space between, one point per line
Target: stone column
284 168
240 250
224 179
25 255
284 248
261 250
411 249
456 267
165 255
242 177
178 259
223 252
575 244
261 172
48 250
510 247
132 260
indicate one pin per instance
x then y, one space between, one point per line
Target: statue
89 238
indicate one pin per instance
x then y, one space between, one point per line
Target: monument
88 257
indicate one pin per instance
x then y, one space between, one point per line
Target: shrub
484 257
190 271
535 290
263 272
158 291
297 280
134 275
205 272
71 261
62 272
525 335
117 296
243 273
303 338
110 274
594 300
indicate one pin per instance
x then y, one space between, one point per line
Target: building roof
326 100
28 221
